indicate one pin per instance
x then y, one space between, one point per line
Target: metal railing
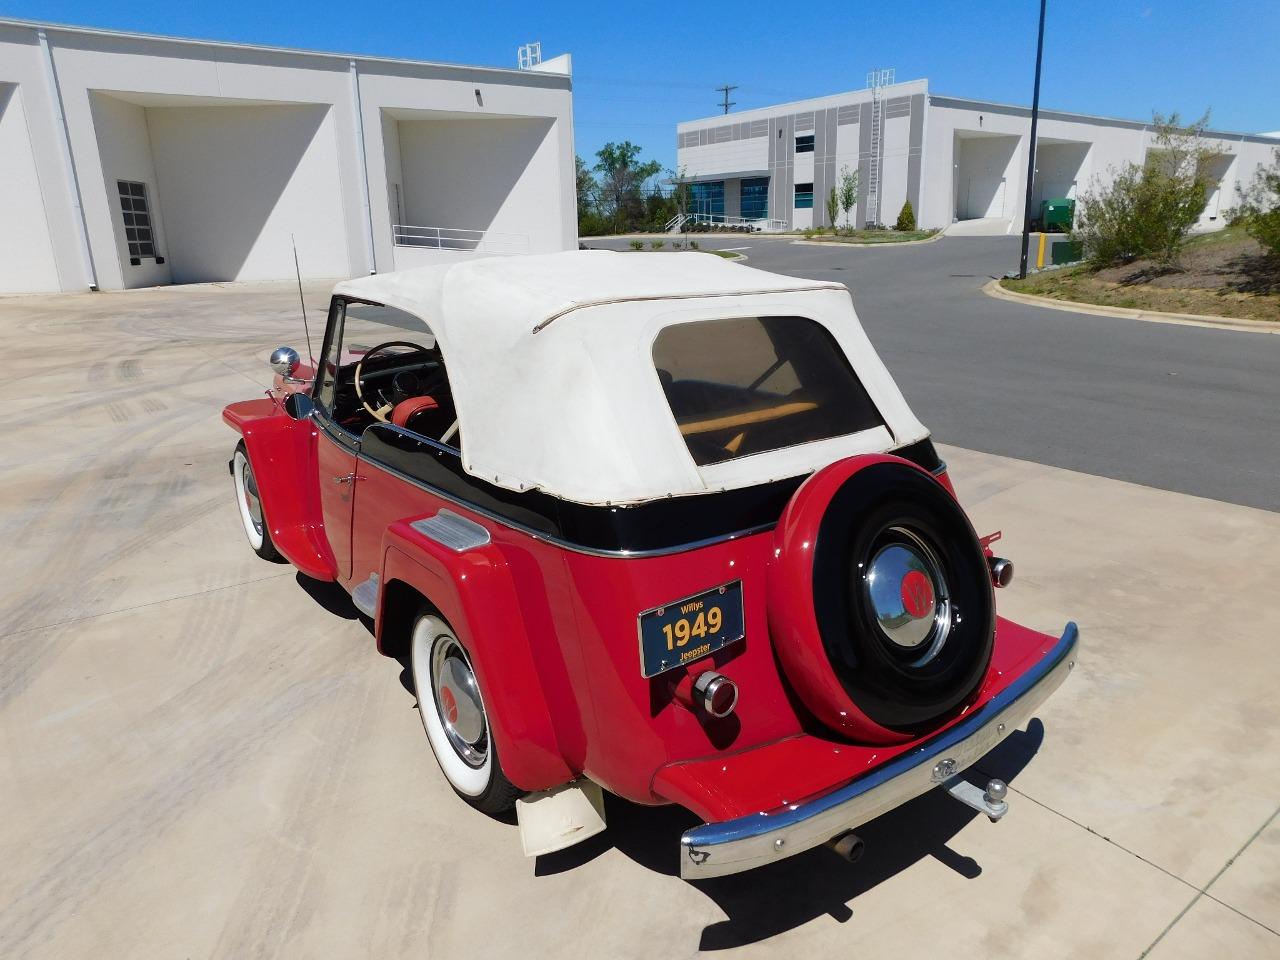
720 220
455 238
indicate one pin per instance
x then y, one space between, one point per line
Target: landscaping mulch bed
1223 275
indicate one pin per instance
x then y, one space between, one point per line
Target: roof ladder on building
876 80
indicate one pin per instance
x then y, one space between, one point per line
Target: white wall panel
237 182
26 249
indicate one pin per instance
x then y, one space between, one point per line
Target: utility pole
725 90
1031 153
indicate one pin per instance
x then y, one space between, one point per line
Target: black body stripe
653 526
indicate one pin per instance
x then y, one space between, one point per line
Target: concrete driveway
201 754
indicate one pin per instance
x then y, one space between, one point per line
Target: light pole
1031 153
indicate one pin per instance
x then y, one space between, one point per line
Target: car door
336 448
336 455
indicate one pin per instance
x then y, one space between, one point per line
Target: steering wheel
385 408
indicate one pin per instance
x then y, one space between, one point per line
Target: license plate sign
690 629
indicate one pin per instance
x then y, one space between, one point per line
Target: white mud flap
560 817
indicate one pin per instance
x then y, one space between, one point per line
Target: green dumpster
1056 215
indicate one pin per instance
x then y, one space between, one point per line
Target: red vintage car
653 523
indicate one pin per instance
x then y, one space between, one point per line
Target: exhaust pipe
848 845
1001 571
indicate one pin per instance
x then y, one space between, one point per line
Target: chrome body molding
452 530
731 846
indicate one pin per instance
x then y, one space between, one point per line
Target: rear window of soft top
752 384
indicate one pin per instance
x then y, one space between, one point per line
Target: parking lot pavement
202 754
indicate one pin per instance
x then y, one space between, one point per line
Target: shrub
833 208
907 218
1259 208
637 244
657 244
1148 210
693 244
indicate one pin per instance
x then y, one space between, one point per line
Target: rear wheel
250 504
454 717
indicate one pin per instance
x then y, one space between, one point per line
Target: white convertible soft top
550 362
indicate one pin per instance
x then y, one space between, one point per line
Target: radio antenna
302 300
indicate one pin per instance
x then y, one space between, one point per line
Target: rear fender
281 451
473 590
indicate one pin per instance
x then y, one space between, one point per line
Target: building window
138 231
755 198
804 196
707 198
804 144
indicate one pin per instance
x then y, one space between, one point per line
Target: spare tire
880 599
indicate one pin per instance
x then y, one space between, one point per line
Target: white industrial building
130 160
955 159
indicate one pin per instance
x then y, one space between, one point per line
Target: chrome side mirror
300 406
284 361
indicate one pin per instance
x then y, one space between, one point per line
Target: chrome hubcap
458 702
251 499
908 596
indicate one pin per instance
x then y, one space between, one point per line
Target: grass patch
871 236
1082 285
726 254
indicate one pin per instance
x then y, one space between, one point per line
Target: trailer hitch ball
997 790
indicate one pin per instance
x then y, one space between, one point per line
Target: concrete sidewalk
203 755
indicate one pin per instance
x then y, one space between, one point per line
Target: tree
1259 208
1148 210
833 208
681 194
848 192
587 186
907 218
621 183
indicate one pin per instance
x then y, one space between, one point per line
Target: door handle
349 478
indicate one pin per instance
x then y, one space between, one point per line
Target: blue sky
641 67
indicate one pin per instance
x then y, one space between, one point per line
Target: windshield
747 385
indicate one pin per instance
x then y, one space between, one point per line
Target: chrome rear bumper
731 846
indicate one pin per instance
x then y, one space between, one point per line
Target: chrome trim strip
940 469
731 846
566 544
452 530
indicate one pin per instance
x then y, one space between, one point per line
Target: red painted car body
551 627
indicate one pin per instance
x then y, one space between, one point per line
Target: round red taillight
715 693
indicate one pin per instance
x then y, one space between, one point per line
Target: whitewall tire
250 506
454 717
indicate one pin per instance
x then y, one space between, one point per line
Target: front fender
282 453
474 592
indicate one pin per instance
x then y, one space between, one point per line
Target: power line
725 90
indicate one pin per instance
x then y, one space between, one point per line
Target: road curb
883 243
993 288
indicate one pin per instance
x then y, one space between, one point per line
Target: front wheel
250 504
454 717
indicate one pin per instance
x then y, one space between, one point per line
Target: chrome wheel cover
908 596
458 703
252 501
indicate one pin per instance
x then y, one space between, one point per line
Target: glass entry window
138 230
707 198
755 198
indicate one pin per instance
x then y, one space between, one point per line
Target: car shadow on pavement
333 599
771 900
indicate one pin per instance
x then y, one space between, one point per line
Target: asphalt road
1189 409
